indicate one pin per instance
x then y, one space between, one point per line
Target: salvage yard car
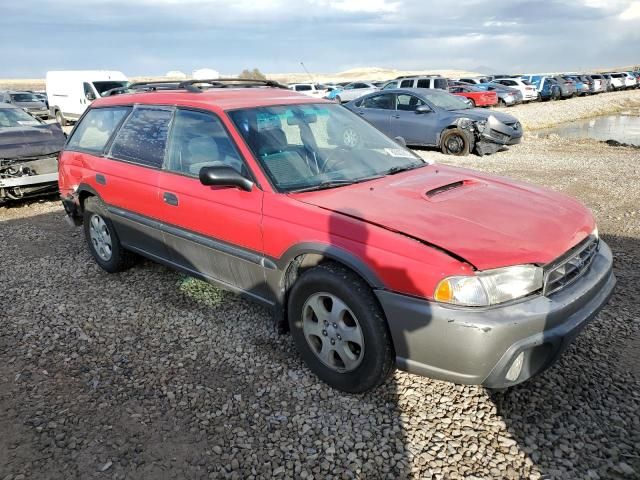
28 154
477 97
27 101
433 118
371 255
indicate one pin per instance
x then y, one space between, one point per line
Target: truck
70 92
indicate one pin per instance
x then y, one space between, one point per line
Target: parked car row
532 87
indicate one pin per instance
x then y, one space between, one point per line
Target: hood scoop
452 189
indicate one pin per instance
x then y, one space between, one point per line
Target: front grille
570 266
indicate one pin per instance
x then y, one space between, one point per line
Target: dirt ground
149 374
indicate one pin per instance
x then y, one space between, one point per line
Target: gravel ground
150 374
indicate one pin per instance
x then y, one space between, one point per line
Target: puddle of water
624 128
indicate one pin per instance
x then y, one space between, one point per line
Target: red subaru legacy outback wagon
371 256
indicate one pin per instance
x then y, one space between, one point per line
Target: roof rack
195 86
190 85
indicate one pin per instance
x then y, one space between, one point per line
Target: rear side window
441 83
384 102
143 137
303 88
423 83
95 129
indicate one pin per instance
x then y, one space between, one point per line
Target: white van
71 92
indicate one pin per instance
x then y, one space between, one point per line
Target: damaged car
434 118
28 154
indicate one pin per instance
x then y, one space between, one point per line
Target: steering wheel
331 159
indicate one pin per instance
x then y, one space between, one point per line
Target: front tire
102 240
339 329
338 100
455 142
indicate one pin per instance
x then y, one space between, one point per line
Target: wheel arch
302 257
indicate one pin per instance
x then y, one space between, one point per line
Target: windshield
24 97
314 146
446 101
102 87
16 117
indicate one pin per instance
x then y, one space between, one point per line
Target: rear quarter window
96 128
143 137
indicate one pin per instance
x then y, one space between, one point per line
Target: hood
31 105
483 114
30 141
488 221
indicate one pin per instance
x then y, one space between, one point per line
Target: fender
336 253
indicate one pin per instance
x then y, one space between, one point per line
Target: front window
105 86
310 147
24 97
446 101
16 117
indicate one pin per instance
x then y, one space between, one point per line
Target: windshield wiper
324 185
404 168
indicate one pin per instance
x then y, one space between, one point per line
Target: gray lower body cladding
478 346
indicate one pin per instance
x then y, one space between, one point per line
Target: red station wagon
371 256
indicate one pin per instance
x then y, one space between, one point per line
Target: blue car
581 87
547 87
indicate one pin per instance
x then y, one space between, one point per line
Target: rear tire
455 142
102 240
329 304
501 103
60 118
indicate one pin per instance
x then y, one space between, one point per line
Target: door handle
360 113
170 199
396 116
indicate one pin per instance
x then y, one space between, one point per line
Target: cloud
148 37
632 12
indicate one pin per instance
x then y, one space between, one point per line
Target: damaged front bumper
493 134
28 177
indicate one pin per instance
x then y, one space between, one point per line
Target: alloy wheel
332 331
101 237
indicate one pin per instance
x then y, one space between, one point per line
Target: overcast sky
150 37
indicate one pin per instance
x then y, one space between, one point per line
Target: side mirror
401 141
90 96
224 177
423 109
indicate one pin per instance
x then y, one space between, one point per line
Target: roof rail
190 85
151 85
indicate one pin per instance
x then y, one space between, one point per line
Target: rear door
377 110
214 232
415 128
130 179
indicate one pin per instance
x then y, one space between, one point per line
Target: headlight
490 287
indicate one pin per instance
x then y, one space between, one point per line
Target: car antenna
313 80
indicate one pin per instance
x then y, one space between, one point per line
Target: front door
415 128
213 232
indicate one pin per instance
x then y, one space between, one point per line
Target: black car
28 154
432 117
